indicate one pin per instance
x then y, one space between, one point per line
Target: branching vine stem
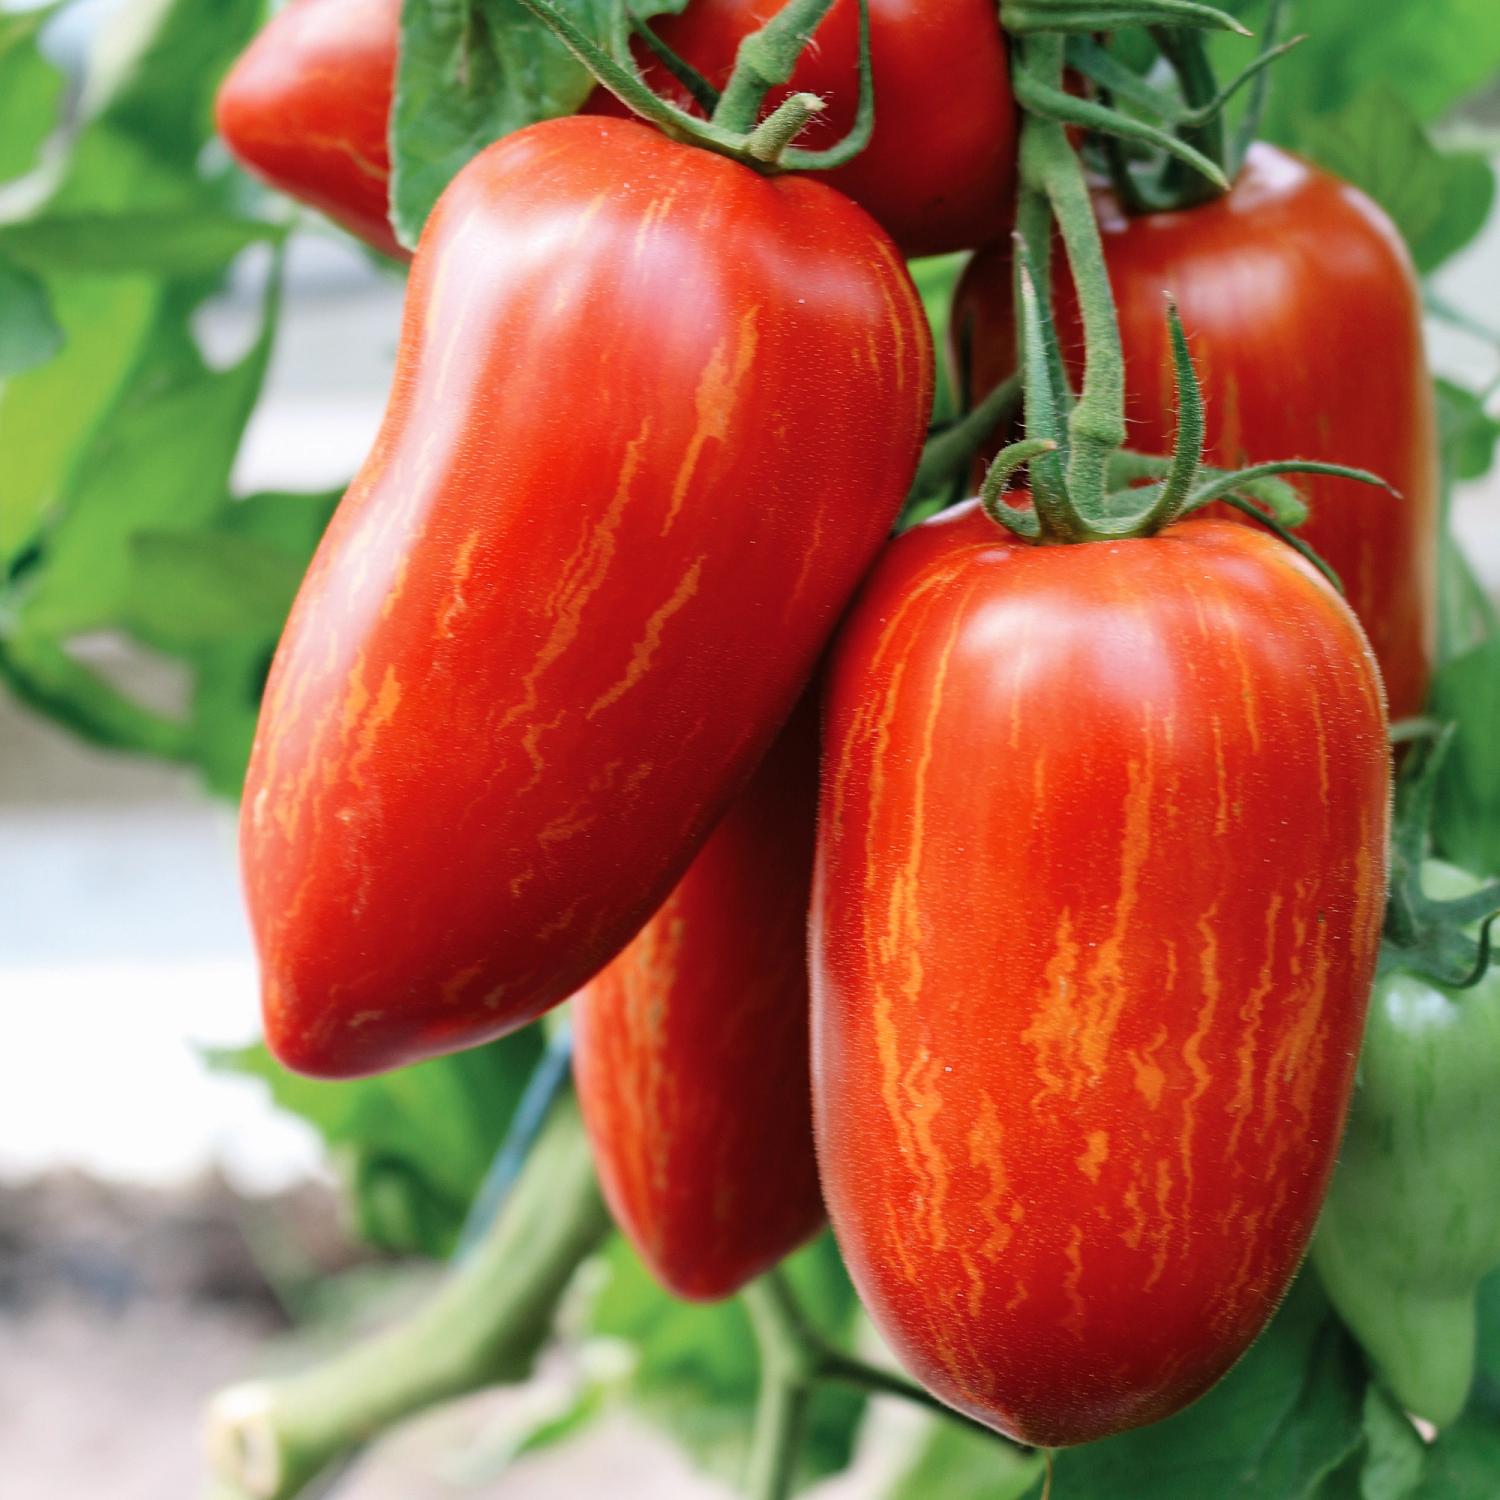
270 1439
795 1360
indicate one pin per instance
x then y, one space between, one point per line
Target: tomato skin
307 107
1304 318
633 465
691 1051
1100 876
939 172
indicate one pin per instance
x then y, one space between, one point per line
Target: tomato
1305 324
939 172
307 107
653 415
691 1047
1099 885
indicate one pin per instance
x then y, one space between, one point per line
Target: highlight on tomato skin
1100 878
939 172
307 108
555 623
1305 321
691 1048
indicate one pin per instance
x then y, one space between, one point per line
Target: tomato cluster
1084 905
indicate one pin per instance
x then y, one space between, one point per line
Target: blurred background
164 1226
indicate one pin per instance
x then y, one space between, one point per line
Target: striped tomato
307 107
692 1045
1100 877
940 168
652 417
1306 326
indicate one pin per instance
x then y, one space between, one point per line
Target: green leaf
935 278
31 91
230 674
1285 1418
195 588
29 333
1396 1453
413 1144
181 242
48 414
1464 1464
1466 827
697 1372
957 1463
472 72
1467 432
161 461
1439 201
1441 51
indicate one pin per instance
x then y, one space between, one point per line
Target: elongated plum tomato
1306 326
692 1047
1100 875
939 172
653 415
307 106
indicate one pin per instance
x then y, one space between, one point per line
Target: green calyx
766 60
1435 938
1162 148
1084 487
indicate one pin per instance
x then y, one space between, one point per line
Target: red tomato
653 415
1100 878
308 104
1305 323
939 172
692 1045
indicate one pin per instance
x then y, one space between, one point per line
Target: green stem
268 1439
788 1357
1184 183
1061 17
795 1358
766 59
44 677
769 140
1260 91
699 89
949 453
1050 167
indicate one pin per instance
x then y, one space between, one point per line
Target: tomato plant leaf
1438 200
181 242
1468 432
1464 1464
193 588
1290 1414
31 90
1466 825
1441 51
29 331
160 461
958 1463
471 72
48 413
1395 1453
697 1373
412 1145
